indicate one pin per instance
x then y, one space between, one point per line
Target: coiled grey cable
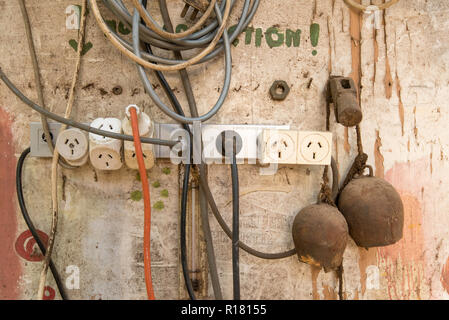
198 40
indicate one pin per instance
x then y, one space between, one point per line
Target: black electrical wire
210 198
185 271
235 224
30 224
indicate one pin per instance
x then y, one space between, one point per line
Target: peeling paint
10 270
403 263
401 104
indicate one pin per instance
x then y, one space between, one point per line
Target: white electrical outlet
295 147
146 129
105 152
314 148
278 146
73 145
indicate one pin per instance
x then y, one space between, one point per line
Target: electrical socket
314 148
106 153
278 146
146 129
38 144
295 147
73 145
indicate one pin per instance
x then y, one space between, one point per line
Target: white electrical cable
54 165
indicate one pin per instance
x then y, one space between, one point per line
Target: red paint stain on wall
445 276
26 246
10 269
49 293
403 262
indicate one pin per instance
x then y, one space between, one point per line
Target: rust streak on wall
388 79
445 276
329 293
379 159
315 272
355 31
10 269
367 257
401 104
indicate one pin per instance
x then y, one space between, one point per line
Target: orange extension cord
147 204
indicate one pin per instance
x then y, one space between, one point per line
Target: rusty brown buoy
373 210
320 233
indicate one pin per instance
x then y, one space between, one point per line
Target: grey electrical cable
152 93
37 77
197 39
75 124
202 199
211 259
127 19
37 80
183 72
210 198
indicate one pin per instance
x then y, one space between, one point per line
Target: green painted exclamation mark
314 36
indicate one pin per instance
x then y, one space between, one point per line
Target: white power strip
266 143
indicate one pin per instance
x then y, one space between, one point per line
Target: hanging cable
183 240
30 224
210 198
147 204
37 80
55 160
235 222
202 200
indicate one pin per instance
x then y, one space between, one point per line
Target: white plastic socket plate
295 147
315 148
210 133
106 153
278 146
72 144
107 124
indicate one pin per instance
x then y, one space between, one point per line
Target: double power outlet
295 147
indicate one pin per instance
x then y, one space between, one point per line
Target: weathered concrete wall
402 70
